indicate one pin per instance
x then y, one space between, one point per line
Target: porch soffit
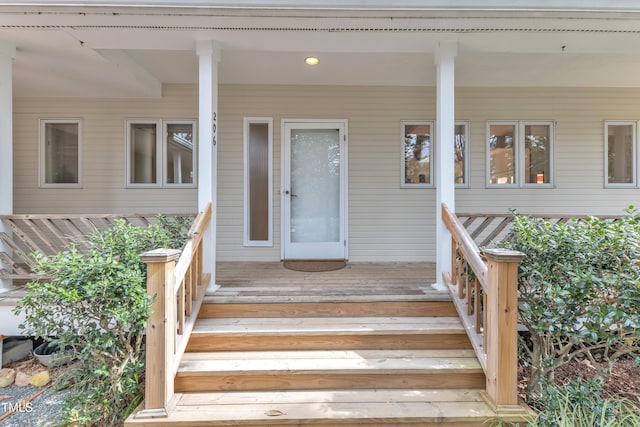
65 52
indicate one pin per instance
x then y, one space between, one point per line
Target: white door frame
285 200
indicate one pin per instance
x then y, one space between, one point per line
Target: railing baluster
461 288
476 305
181 307
196 270
199 263
484 319
189 291
454 260
194 275
467 285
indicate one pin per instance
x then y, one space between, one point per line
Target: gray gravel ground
45 410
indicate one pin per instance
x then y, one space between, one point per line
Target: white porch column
445 53
7 52
208 53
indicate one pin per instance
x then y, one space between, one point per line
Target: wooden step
327 309
369 407
327 291
328 333
322 370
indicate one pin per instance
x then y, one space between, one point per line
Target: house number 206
214 129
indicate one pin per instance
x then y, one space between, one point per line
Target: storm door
314 190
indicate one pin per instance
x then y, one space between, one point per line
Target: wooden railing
178 289
48 234
484 285
485 229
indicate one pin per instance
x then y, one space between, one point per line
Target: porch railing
483 286
485 229
48 234
178 289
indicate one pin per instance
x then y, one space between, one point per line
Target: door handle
288 193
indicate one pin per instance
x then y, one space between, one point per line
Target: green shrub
580 404
177 229
97 303
579 290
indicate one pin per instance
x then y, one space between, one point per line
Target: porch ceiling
124 52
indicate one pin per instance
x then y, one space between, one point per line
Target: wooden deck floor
264 282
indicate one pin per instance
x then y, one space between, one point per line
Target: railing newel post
160 331
501 329
168 330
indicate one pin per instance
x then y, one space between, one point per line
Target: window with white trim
258 181
161 153
520 153
620 150
461 153
417 153
179 153
60 153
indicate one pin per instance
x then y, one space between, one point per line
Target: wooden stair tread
331 286
328 333
283 308
344 396
358 282
334 362
333 326
330 407
304 297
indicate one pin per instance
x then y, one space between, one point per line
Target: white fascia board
458 5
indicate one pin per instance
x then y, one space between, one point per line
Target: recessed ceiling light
311 60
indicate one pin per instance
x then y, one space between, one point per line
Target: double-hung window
60 153
620 152
520 153
417 158
161 153
417 154
461 153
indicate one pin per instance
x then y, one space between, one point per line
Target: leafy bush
580 404
97 303
177 229
579 290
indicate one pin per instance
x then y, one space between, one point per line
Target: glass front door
314 190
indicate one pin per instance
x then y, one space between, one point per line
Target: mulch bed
624 380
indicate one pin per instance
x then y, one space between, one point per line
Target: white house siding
103 154
386 223
579 163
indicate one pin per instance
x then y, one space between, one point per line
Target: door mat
315 265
